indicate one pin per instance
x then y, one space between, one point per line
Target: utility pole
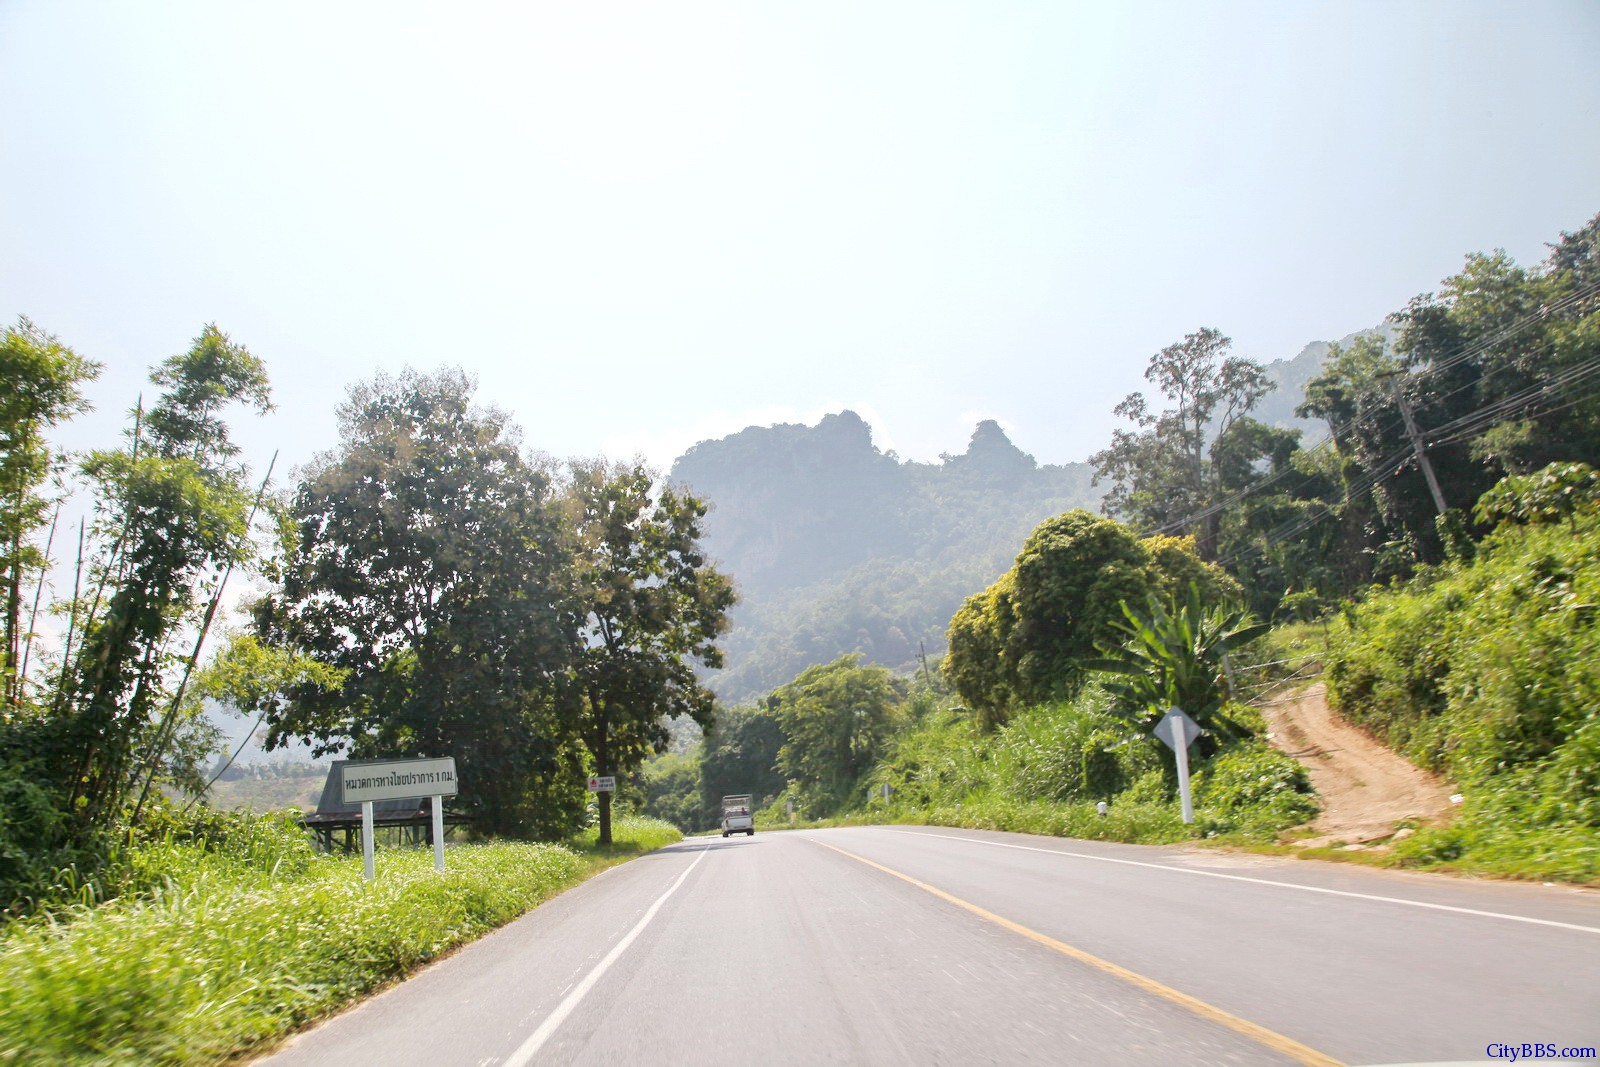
1421 453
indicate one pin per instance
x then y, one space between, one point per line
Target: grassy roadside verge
228 949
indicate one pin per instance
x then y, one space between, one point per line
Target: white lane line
530 1048
1258 881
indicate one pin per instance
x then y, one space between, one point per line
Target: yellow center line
1273 1040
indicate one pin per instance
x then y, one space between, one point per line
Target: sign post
369 863
437 804
368 782
602 783
1177 731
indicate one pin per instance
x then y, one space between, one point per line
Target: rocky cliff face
838 547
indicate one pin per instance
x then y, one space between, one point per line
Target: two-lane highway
883 945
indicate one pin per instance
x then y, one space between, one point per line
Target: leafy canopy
649 608
1028 637
1173 656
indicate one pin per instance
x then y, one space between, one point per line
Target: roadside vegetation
1033 766
1436 553
1486 669
433 588
225 932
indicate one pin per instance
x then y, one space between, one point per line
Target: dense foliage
1044 771
478 605
836 719
1492 376
1487 669
1031 636
425 568
434 590
91 726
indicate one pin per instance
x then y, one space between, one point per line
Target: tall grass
221 949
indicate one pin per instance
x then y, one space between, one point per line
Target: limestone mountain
837 546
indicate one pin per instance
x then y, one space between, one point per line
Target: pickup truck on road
737 816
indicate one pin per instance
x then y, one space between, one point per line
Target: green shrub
1253 789
941 760
31 829
1045 770
1387 666
1061 753
1485 665
1488 669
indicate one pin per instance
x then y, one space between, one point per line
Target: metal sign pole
438 833
1182 752
1177 731
366 841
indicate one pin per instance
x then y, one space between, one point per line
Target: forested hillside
1442 532
838 547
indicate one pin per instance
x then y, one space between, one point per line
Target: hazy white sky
642 225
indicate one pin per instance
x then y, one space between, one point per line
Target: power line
1368 421
1469 425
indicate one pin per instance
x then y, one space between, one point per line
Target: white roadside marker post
1177 731
1187 799
369 864
437 802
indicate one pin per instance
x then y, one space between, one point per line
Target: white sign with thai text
398 779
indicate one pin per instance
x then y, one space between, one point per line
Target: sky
643 225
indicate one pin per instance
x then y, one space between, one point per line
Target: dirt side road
1366 788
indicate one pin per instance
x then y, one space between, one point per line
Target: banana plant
1172 656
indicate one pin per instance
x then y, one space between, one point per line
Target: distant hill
837 546
1289 378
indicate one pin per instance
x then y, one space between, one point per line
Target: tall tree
1492 375
651 608
428 568
172 514
43 386
1161 472
836 717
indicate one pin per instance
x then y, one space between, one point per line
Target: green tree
172 516
43 387
1173 656
977 663
428 568
650 608
1028 637
837 719
1161 473
672 791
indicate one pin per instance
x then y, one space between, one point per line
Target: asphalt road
905 945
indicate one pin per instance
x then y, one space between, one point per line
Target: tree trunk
602 767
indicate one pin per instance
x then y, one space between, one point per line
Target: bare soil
1366 788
